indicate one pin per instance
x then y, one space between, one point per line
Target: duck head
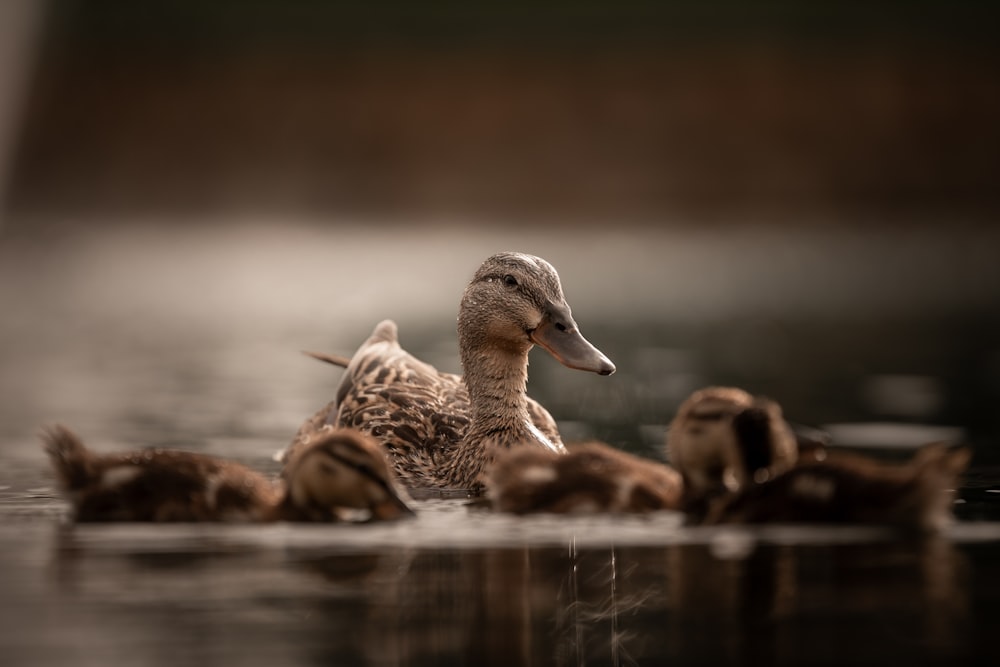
344 469
516 301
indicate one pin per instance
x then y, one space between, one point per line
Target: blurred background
626 111
800 198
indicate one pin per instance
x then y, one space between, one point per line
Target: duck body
162 485
847 488
419 414
441 430
590 478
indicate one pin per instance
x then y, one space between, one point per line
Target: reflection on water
192 341
297 595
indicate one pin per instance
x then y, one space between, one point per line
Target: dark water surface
460 589
190 339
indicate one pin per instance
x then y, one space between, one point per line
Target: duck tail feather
334 359
70 457
386 331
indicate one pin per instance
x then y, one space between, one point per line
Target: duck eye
510 281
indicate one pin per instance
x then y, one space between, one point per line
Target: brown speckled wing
419 414
325 415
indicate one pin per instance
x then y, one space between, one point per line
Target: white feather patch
119 475
541 437
537 474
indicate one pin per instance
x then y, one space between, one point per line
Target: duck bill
560 338
391 508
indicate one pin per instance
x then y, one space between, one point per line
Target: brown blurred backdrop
634 111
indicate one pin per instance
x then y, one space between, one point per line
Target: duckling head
344 470
516 301
724 439
701 441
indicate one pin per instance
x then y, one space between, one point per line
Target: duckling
701 442
439 428
846 488
340 470
592 477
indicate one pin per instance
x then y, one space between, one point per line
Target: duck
338 474
592 477
441 430
700 442
847 488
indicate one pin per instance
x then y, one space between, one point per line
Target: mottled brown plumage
440 428
845 488
591 477
341 470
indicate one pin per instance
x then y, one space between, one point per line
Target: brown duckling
439 428
590 478
849 488
701 442
340 470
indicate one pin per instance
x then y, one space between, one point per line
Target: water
187 338
458 589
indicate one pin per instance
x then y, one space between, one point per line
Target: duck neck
497 380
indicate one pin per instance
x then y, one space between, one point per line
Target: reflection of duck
592 477
340 470
701 441
438 427
844 488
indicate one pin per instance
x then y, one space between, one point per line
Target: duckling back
591 477
847 488
156 485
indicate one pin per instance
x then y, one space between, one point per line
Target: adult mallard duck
440 429
591 477
341 470
701 441
849 488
